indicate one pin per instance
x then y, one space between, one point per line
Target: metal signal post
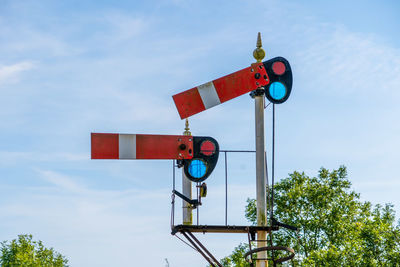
259 101
187 217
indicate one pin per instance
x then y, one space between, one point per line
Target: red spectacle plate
278 68
207 148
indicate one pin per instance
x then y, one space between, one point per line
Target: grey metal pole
260 174
187 218
261 206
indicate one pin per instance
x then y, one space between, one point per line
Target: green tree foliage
25 252
336 227
237 257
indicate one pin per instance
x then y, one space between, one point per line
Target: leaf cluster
26 252
336 227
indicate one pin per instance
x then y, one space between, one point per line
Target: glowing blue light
277 90
197 168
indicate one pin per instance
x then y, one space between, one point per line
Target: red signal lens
207 148
278 68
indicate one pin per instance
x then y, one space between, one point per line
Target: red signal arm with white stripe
218 91
141 146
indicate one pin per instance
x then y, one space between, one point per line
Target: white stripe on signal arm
127 146
208 95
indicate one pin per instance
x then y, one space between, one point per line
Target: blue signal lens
277 90
197 168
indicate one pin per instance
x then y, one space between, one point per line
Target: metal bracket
193 202
259 91
274 222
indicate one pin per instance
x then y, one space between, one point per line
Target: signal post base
262 242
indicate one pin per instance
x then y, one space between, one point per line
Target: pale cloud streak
8 158
11 73
351 65
124 27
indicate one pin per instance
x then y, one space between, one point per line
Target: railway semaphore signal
271 79
274 76
205 157
198 155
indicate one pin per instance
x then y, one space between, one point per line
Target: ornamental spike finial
187 129
259 52
259 43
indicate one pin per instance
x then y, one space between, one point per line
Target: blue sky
69 68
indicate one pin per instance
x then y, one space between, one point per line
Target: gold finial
187 132
259 52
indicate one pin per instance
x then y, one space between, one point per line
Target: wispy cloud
63 182
351 65
11 73
15 157
124 27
